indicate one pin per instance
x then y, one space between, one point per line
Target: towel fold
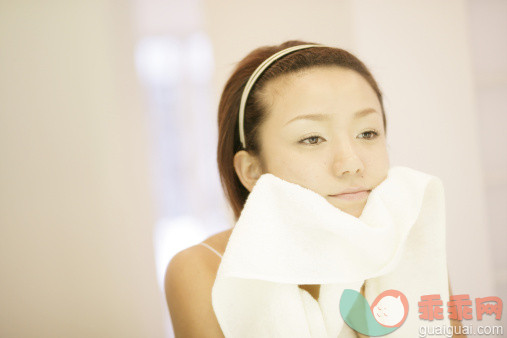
288 235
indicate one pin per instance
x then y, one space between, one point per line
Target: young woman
313 117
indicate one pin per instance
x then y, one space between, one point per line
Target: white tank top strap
209 247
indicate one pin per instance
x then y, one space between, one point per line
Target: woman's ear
248 168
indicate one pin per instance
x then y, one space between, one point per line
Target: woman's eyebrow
321 117
314 117
364 112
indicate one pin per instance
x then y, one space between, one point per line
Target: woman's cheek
305 173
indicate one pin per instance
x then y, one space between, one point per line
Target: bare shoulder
198 259
188 283
219 241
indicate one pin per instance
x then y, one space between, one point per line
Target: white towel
288 235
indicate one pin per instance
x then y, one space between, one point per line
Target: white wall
488 46
76 254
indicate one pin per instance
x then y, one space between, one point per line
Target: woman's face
324 131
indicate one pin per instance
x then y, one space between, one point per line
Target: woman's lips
360 195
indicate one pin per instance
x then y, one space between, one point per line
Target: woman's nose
346 160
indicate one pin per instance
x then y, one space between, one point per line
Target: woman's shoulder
190 276
218 241
200 256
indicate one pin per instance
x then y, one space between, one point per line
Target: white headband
251 81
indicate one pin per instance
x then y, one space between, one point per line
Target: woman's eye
311 140
371 134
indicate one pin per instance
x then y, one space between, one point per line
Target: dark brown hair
228 132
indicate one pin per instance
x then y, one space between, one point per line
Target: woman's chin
355 213
354 210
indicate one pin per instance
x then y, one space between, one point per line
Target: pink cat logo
390 308
385 315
